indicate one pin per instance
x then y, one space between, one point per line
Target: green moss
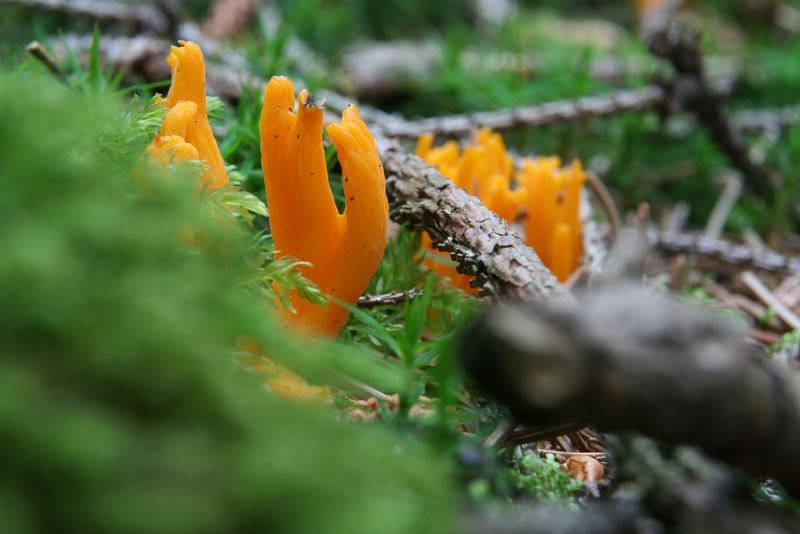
544 479
121 406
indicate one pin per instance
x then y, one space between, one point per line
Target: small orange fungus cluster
343 250
186 134
546 194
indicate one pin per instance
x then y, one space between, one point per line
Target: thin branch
395 297
500 434
647 98
39 52
768 297
366 388
523 434
603 196
725 251
680 47
731 192
571 453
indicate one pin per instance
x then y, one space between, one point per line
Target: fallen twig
39 52
725 251
603 196
788 291
649 97
395 297
736 301
768 297
731 192
679 46
571 453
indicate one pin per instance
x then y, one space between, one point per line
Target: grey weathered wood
624 359
480 242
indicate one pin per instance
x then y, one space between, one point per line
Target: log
622 359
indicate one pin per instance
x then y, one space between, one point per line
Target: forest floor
654 388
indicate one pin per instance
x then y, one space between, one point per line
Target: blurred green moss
122 408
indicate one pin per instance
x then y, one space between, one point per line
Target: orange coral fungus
553 226
344 249
283 381
186 133
549 193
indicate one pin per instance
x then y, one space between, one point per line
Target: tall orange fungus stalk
344 249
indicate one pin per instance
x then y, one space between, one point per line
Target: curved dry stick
680 46
600 191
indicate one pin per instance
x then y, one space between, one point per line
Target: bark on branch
621 359
736 255
649 97
395 297
478 240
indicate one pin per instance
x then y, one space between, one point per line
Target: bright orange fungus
344 249
548 194
186 133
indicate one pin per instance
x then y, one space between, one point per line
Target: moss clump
121 408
